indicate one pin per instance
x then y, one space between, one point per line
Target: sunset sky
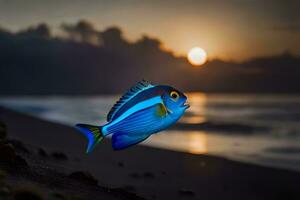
232 29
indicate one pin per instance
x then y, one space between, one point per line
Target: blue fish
143 110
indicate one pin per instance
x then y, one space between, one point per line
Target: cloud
83 31
41 30
34 62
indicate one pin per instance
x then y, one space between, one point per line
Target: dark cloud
41 30
83 31
113 37
34 62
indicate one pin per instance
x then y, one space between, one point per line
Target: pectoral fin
162 110
122 140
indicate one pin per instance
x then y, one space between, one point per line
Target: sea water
261 129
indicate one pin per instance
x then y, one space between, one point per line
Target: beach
138 172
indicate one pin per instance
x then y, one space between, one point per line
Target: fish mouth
185 105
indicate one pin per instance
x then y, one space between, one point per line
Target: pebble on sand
120 164
4 191
42 153
19 146
2 130
59 156
148 175
7 153
83 176
27 194
9 157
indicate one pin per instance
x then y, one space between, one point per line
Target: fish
145 109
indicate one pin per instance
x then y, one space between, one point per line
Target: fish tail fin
93 134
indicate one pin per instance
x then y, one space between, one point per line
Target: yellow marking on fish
161 110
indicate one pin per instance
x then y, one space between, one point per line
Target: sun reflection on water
197 143
193 119
197 98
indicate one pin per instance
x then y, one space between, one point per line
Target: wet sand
142 171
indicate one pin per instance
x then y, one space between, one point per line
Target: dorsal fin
132 92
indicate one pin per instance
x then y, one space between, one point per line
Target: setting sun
197 56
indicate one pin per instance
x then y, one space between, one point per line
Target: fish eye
174 95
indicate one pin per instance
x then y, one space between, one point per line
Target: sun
197 56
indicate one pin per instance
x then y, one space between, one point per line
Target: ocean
260 129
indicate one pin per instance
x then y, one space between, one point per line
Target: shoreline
153 173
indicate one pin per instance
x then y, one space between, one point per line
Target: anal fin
122 140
